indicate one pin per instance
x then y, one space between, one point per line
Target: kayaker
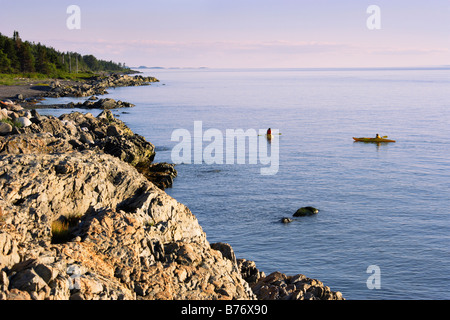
378 136
269 131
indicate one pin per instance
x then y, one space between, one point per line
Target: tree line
18 56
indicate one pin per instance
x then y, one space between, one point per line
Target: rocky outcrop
83 216
131 241
77 132
279 286
96 86
162 174
105 104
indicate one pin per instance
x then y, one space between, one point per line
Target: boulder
306 211
55 84
161 174
14 107
24 121
226 250
113 130
3 114
5 128
249 271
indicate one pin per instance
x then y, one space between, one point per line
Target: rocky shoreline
84 216
29 95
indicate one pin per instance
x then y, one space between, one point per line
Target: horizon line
434 67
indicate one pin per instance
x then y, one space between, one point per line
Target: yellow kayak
373 139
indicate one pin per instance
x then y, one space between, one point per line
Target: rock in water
286 220
306 211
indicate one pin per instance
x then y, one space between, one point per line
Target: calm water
384 205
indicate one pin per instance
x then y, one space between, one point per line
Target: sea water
383 205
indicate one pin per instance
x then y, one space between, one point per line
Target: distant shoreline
444 67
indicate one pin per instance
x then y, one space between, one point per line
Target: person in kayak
378 136
269 134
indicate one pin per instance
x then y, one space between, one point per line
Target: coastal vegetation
61 228
21 59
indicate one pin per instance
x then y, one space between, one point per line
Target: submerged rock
306 211
286 220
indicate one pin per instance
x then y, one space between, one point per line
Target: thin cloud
243 53
409 51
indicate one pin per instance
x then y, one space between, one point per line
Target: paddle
278 134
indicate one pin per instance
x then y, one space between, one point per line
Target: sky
240 33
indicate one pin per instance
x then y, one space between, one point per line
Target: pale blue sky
244 33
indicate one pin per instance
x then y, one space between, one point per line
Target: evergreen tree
5 63
26 58
10 51
18 56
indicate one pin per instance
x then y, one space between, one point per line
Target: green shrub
62 228
12 123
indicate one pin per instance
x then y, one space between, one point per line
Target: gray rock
113 130
55 84
27 280
86 137
24 121
9 255
3 114
226 250
5 128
